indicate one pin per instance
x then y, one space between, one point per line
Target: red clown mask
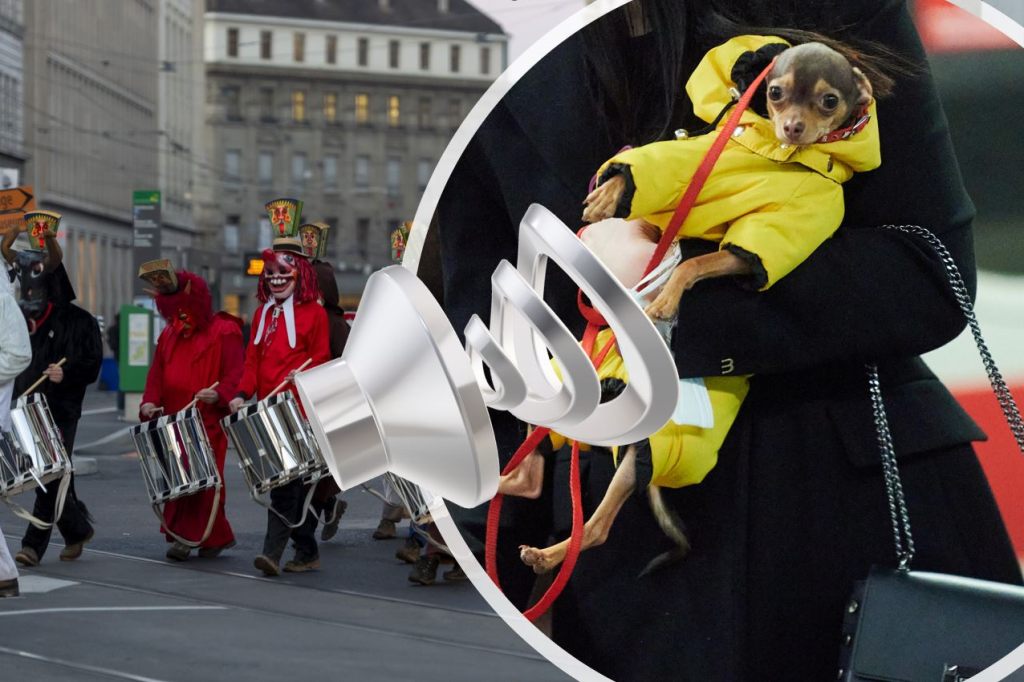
286 274
190 307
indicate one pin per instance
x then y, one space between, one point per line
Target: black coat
73 333
795 510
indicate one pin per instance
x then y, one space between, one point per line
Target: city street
123 611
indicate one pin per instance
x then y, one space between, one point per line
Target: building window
363 52
330 173
232 42
266 45
361 178
362 108
266 168
394 52
485 60
330 107
394 112
423 168
424 56
299 47
232 102
233 164
332 49
298 106
231 232
363 238
454 53
299 172
394 176
423 114
332 229
266 96
454 112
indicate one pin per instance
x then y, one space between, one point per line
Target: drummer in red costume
288 329
196 350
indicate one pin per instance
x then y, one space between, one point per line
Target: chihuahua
812 91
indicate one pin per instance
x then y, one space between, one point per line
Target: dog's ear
864 90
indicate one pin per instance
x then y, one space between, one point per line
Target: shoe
178 551
267 565
298 565
9 588
212 552
425 571
385 530
455 574
74 550
333 520
410 553
27 557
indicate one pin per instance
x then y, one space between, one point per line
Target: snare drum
415 500
33 452
275 444
176 456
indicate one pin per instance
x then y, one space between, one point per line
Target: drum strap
62 495
305 506
158 510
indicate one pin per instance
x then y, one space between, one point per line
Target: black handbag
911 626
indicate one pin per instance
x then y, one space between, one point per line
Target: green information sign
137 345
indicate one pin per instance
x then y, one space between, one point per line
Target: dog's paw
663 308
536 559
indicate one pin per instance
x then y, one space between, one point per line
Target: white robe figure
15 356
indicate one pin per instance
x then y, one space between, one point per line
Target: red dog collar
843 133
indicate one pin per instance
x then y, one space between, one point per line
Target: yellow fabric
777 202
680 455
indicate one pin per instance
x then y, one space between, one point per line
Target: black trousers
287 500
73 523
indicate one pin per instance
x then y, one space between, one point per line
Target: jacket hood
708 90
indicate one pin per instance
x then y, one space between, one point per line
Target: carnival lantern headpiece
160 275
314 239
190 306
399 238
285 215
36 268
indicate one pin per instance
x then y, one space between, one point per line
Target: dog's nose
793 128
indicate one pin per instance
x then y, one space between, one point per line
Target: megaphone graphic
404 397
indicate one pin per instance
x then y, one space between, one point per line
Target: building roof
461 15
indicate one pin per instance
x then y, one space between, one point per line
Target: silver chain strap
904 541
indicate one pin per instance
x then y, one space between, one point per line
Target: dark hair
638 81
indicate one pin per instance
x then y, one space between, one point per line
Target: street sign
14 204
145 232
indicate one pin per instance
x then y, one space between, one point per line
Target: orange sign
14 204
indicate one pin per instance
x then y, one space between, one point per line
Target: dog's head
813 90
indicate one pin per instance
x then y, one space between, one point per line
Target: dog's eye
775 93
830 102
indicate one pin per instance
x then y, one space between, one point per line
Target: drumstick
196 400
284 383
41 379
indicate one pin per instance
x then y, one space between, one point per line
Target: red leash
594 323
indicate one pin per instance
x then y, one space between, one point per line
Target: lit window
331 107
332 49
232 42
266 44
394 48
362 108
454 53
363 51
299 47
299 106
394 113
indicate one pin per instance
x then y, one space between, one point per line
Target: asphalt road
124 612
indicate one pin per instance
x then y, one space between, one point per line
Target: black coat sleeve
868 292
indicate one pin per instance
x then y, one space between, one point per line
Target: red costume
194 351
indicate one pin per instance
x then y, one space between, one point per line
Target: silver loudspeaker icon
406 398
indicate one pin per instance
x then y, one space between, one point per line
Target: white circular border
1000 670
